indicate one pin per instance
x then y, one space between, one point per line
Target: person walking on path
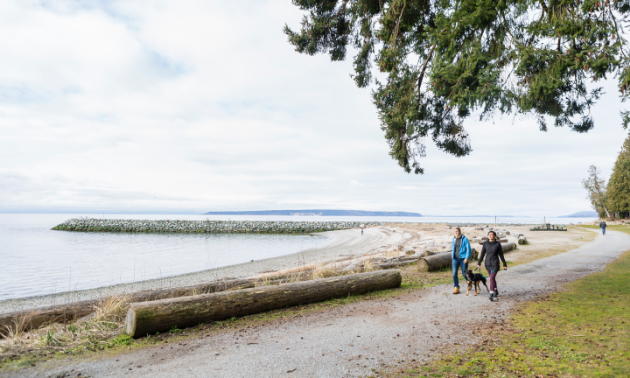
602 225
493 249
460 255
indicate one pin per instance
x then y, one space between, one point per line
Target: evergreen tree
618 190
597 193
444 59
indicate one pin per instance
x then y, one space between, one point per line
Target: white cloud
198 106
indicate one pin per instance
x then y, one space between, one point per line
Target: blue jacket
464 249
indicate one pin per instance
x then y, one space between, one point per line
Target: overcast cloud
198 106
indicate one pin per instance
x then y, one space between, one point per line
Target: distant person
460 255
493 249
602 225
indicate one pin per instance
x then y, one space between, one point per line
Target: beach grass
583 331
101 333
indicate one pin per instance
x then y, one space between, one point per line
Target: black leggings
493 280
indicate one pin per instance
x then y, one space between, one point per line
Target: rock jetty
209 226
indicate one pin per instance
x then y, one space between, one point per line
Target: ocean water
37 260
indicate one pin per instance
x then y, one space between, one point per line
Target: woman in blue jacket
460 255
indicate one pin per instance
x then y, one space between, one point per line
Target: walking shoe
456 290
491 297
496 292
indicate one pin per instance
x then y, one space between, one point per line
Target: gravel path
349 341
342 243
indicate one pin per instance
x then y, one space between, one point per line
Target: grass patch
583 331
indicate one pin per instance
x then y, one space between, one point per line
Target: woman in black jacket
494 251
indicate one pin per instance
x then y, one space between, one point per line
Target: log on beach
522 240
158 316
396 264
434 262
36 317
507 247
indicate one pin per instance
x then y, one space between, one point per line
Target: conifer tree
618 190
597 193
442 60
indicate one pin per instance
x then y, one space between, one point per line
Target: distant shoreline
317 212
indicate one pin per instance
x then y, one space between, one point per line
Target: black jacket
494 252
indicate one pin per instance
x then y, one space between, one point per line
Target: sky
194 106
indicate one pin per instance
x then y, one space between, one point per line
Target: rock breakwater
209 226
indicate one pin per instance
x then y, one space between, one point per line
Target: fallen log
36 317
522 240
500 240
397 264
434 262
507 247
158 316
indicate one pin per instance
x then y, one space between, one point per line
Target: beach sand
342 244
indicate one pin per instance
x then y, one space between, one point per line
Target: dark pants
603 230
493 280
456 264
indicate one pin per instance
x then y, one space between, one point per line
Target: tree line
611 199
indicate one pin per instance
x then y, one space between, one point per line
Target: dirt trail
358 339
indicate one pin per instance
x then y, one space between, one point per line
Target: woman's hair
495 234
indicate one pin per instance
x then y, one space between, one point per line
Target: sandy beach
341 244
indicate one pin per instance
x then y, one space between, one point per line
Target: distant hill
582 214
342 213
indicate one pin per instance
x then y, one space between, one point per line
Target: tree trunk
500 240
395 264
507 247
159 316
435 262
522 239
36 317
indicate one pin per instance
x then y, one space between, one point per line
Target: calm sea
36 260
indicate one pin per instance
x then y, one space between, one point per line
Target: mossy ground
583 331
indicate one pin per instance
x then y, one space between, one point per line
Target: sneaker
496 292
491 297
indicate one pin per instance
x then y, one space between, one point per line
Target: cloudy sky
193 106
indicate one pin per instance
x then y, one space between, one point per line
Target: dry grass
17 329
93 332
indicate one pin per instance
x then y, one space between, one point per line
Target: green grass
583 331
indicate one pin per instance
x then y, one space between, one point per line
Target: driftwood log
435 262
522 240
443 260
37 317
396 264
500 240
158 316
507 247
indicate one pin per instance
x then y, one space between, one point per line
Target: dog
475 279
